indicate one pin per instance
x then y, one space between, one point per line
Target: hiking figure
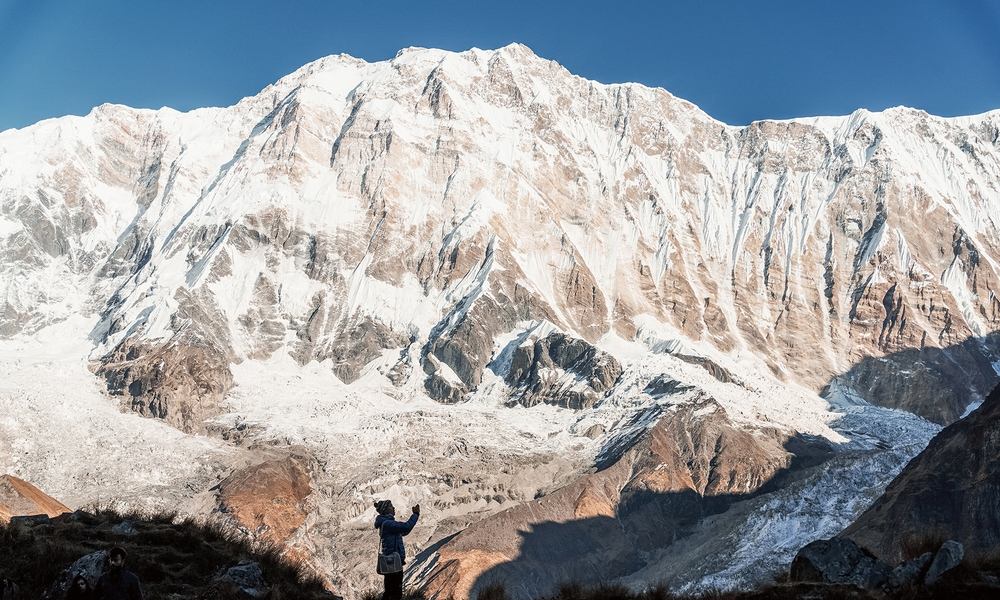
8 589
80 589
118 583
392 553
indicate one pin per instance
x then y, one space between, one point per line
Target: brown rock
267 499
20 498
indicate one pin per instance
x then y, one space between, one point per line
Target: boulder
839 561
910 571
125 528
948 556
91 566
246 578
30 520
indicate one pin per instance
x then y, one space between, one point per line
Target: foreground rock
91 566
840 561
245 580
948 557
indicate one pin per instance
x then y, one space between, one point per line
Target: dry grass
174 558
917 544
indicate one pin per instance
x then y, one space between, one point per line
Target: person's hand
416 509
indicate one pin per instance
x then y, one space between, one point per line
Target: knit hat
383 506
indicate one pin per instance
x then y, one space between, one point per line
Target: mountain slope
952 488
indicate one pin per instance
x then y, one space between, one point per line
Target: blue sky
738 60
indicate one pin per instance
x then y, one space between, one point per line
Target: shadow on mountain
555 547
938 384
602 548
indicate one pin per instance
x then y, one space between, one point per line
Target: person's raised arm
405 527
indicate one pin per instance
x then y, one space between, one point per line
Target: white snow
59 431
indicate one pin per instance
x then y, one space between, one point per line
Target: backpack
387 563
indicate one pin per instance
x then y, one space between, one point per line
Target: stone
248 579
91 566
30 520
910 571
838 561
125 528
948 556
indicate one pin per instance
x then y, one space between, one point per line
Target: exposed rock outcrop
840 561
561 370
267 500
182 384
90 566
19 498
244 580
948 556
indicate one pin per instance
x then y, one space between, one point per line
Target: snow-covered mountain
478 281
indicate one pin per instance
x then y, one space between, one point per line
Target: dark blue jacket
392 531
118 584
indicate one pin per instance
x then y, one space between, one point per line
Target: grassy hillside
174 560
180 559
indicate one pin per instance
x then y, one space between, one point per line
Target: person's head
385 507
116 557
80 583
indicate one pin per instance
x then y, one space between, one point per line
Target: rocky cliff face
558 369
446 197
952 488
469 272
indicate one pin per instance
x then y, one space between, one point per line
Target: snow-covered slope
458 277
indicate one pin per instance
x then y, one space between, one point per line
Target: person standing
391 534
118 583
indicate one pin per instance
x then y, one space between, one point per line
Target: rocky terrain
534 303
951 489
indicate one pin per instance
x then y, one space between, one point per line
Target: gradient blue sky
738 60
